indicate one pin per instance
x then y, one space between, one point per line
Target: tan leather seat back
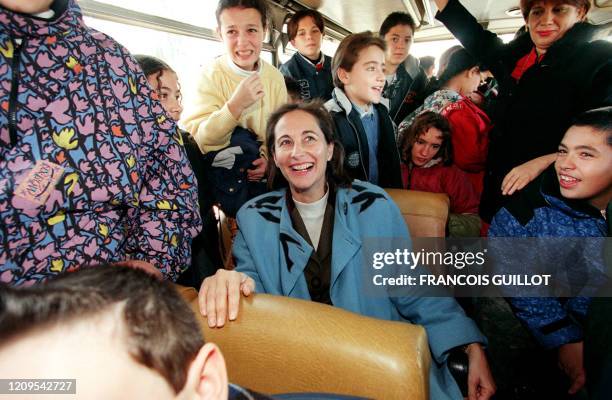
425 213
285 345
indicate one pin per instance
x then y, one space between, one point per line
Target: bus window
194 12
186 55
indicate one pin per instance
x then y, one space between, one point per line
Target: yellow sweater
211 124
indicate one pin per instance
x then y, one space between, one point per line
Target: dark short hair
453 62
427 62
294 21
421 124
348 52
259 5
527 5
599 119
162 331
335 173
293 87
394 19
153 66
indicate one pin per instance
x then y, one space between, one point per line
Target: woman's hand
220 295
481 385
571 361
520 176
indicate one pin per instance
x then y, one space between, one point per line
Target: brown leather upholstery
285 345
425 213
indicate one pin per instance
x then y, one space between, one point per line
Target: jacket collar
341 103
67 15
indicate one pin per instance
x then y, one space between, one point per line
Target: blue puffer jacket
540 211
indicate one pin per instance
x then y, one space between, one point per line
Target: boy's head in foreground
118 331
358 68
584 158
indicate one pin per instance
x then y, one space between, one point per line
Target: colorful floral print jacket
91 168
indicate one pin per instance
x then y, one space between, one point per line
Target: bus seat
285 345
426 214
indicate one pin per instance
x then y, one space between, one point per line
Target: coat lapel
294 255
345 244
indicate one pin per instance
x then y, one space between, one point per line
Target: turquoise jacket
269 250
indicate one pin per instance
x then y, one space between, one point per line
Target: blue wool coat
539 211
269 250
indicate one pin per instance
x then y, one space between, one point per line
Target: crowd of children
94 169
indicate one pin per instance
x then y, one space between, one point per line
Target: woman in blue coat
308 242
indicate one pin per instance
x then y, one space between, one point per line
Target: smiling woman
306 240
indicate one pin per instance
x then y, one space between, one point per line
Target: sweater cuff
558 333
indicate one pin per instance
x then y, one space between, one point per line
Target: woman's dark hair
335 174
421 124
394 19
527 5
259 5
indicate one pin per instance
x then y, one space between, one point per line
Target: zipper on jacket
12 111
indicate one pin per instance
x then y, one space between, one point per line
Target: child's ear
218 33
343 75
207 375
293 43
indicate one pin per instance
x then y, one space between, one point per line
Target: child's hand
571 358
259 169
247 93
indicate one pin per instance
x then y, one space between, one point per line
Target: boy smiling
362 123
568 200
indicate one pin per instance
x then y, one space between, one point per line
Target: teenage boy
362 122
403 89
309 66
119 332
567 200
91 169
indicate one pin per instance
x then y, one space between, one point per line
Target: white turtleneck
242 72
312 214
